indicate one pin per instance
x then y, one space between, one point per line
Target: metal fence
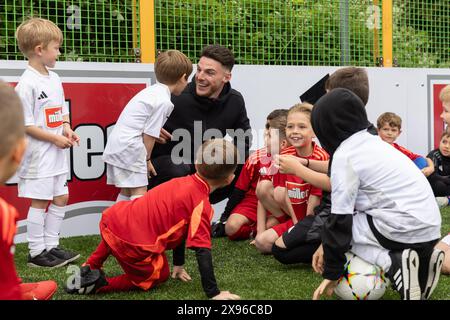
103 31
272 32
422 33
276 32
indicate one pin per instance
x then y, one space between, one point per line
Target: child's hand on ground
180 274
253 242
327 287
226 295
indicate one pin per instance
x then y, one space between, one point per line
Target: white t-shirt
43 105
368 175
145 113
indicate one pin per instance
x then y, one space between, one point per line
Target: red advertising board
94 107
437 111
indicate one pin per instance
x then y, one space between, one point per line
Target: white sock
136 196
121 197
53 221
35 231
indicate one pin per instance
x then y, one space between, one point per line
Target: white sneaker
404 274
434 270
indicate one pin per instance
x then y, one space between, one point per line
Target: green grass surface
239 268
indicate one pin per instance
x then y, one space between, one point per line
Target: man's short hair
444 95
351 78
389 118
219 53
35 31
216 159
170 66
11 113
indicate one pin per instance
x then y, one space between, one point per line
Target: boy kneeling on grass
382 207
137 233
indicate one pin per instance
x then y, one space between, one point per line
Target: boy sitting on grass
137 233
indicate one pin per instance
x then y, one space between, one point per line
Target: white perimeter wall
407 92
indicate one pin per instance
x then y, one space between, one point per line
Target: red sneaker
42 290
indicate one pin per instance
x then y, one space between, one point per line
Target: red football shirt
158 221
298 190
413 156
9 282
258 163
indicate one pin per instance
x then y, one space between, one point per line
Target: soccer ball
361 280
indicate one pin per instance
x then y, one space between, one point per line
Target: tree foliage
276 32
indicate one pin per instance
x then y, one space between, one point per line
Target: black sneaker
88 281
218 230
404 273
45 259
434 270
62 254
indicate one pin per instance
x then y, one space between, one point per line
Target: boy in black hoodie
383 208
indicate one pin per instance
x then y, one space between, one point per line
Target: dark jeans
440 185
298 248
167 170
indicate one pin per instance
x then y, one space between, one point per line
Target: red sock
119 283
98 257
243 233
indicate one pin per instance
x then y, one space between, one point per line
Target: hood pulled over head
336 116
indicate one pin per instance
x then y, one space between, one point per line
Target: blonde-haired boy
43 172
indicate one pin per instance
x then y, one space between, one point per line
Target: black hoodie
335 117
226 112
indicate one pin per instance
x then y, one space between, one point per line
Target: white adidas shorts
122 178
43 188
446 239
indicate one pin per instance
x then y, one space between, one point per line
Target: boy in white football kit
130 144
43 171
383 208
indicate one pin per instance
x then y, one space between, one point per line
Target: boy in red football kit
12 148
243 202
389 126
138 232
296 197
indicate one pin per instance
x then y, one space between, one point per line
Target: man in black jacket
207 108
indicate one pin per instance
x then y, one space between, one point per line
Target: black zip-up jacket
227 112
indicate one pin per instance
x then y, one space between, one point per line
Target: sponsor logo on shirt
298 193
53 117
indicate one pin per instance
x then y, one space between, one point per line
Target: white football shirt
43 100
368 175
145 113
